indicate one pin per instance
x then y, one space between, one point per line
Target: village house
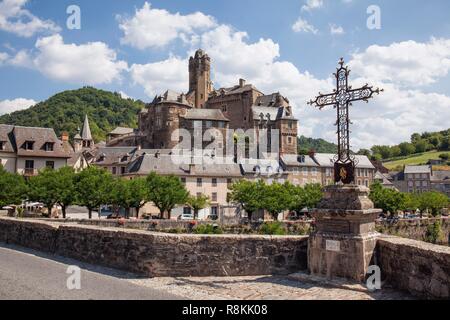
26 150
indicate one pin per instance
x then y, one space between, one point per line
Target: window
424 176
214 211
314 171
229 182
417 183
199 182
424 184
29 164
224 108
359 182
186 210
214 182
50 164
328 172
366 173
2 145
366 183
114 170
183 180
48 146
122 170
208 124
214 196
28 145
221 124
410 184
289 140
305 170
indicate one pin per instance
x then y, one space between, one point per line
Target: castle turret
200 78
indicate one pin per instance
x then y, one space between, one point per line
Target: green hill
415 159
65 111
306 144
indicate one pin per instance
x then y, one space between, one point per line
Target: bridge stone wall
418 267
160 254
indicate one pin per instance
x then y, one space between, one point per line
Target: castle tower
200 78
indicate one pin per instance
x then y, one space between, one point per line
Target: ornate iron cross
341 98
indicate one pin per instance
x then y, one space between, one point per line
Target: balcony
28 172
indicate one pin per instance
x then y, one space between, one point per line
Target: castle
241 107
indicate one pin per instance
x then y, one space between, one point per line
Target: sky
141 48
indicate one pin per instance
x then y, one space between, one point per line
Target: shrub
434 232
272 228
207 229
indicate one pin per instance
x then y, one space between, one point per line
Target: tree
421 146
65 184
44 188
444 156
406 148
313 195
13 189
276 198
93 187
445 143
129 194
248 195
166 192
365 152
434 201
389 200
198 203
384 151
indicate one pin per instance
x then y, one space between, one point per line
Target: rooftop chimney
64 136
241 83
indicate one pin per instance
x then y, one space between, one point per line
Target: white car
186 216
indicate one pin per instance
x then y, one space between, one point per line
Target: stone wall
158 254
415 229
421 268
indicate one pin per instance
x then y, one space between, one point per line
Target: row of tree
392 201
419 143
274 198
94 187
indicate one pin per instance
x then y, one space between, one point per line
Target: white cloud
159 76
389 118
407 63
8 106
3 57
15 19
312 4
90 64
157 28
301 25
336 30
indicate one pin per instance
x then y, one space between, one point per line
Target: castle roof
205 114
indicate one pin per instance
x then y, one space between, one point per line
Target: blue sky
129 47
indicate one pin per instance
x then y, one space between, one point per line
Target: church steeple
86 135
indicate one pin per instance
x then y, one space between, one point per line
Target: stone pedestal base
344 240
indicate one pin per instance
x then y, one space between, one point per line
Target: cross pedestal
345 238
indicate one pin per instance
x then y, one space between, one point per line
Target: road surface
28 274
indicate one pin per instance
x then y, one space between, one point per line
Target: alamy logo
74 20
374 280
374 20
74 280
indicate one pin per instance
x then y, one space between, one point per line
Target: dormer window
28 145
2 145
49 146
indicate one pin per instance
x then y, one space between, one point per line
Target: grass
413 160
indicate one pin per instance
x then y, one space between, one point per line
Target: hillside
319 145
65 111
416 159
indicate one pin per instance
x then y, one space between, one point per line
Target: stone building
241 107
26 150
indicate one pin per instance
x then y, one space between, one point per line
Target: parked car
186 216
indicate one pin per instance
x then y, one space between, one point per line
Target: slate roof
263 167
165 164
417 169
86 133
233 90
326 160
5 137
441 175
205 114
298 160
122 130
114 155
